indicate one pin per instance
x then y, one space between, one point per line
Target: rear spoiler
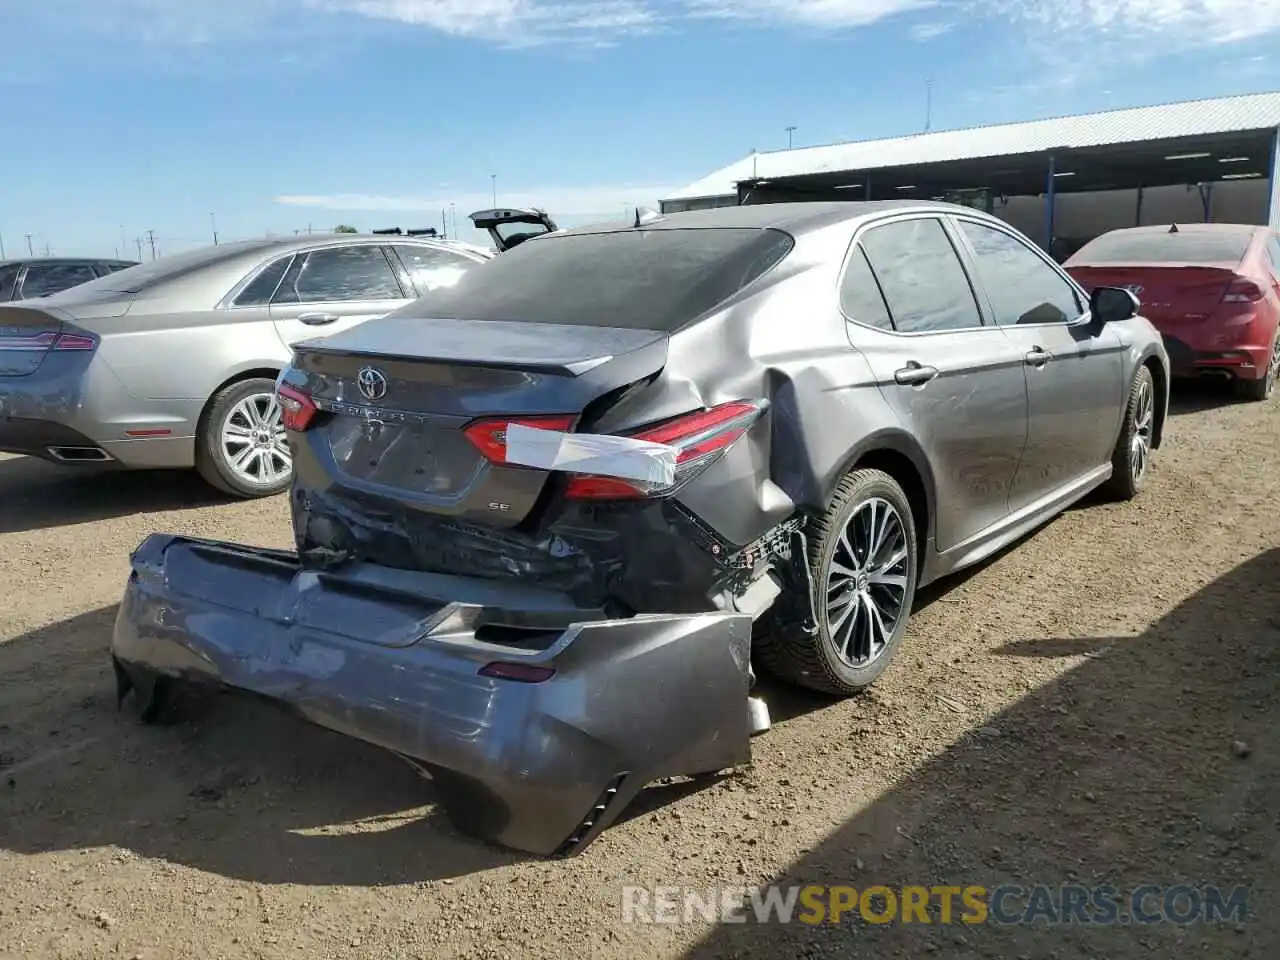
492 220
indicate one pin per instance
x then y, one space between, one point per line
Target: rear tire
1262 388
863 563
1132 456
240 443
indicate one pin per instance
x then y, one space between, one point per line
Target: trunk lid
510 227
1168 293
396 395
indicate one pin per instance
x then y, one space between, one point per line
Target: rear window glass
144 275
637 279
1185 246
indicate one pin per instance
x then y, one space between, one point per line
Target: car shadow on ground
1196 396
35 495
1154 761
230 785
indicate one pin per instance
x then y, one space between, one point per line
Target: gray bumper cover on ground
393 657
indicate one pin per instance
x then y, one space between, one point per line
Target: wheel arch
1160 377
899 455
249 372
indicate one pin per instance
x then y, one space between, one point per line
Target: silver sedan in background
173 363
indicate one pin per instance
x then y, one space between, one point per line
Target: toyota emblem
1135 289
372 383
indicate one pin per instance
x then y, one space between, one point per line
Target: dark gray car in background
545 517
44 276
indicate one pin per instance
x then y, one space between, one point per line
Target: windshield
1185 246
638 279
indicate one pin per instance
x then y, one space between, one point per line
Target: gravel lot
1097 705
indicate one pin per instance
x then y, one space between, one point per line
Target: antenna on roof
1173 228
645 215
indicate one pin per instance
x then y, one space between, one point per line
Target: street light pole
213 222
493 181
790 131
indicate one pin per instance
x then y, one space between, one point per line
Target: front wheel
240 446
863 568
1132 456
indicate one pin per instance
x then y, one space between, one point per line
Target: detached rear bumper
394 657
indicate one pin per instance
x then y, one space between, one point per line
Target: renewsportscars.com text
1007 904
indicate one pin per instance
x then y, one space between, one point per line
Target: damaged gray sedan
545 518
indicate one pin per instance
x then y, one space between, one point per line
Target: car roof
37 261
1237 228
792 217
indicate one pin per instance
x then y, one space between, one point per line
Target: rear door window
48 278
649 279
431 268
860 296
261 288
921 275
1022 288
338 274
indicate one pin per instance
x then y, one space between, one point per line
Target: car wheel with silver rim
1131 460
241 447
863 558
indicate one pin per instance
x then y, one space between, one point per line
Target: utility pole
453 220
1 246
308 229
151 238
928 105
493 181
790 131
30 252
138 241
47 251
213 222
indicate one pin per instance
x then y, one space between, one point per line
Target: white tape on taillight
597 454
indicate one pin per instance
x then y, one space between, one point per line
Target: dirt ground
1097 705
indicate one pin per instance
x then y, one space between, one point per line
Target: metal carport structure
1198 144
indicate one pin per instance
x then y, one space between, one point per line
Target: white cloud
605 200
931 31
1174 24
828 14
1182 23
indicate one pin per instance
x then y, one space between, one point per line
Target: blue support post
1050 194
1273 190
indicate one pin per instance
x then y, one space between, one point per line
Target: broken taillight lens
699 439
296 408
490 436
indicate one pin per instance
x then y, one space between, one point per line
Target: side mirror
1112 304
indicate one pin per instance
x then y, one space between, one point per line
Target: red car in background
1211 289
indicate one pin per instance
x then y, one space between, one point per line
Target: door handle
915 373
317 319
1038 356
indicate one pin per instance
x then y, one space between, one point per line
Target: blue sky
124 116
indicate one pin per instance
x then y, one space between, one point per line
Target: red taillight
490 436
519 672
698 438
1243 291
296 408
50 340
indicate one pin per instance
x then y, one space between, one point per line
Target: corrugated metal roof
1191 118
